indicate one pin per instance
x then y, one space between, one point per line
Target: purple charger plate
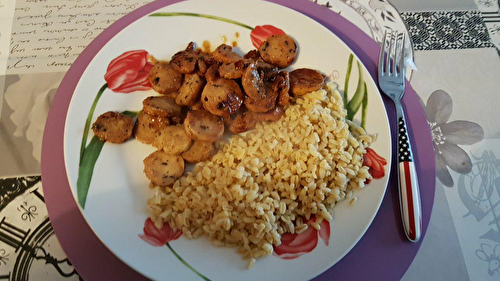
383 253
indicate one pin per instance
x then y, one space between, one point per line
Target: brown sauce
206 46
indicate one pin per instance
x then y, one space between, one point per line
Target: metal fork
391 77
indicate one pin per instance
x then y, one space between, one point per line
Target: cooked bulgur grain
271 180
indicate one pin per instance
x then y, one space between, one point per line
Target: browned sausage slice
185 61
271 115
146 126
241 122
212 73
233 70
197 106
161 106
253 83
164 78
202 67
279 49
199 151
282 86
172 139
253 55
264 104
190 90
203 126
163 169
113 127
224 54
305 80
222 97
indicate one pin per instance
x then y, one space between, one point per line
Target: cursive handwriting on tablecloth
49 35
6 16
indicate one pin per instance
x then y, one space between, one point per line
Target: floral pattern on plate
356 102
129 72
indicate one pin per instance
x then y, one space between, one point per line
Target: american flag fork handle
409 194
391 77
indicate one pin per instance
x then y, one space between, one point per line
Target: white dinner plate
116 203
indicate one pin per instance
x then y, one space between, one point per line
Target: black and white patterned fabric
447 30
404 146
10 188
493 17
492 21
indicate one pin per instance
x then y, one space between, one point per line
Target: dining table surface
453 65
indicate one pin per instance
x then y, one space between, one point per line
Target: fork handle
409 193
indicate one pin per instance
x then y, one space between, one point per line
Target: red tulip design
159 237
294 245
162 237
375 163
261 32
129 72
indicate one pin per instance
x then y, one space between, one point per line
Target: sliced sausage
271 115
279 49
113 127
253 83
164 78
190 90
222 97
305 80
233 70
283 98
172 139
146 126
224 54
266 67
208 59
202 66
212 73
199 151
161 106
241 122
197 106
203 126
253 55
282 86
163 169
185 61
263 104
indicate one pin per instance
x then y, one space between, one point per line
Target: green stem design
176 14
364 107
355 103
347 78
186 264
87 163
89 120
86 169
90 153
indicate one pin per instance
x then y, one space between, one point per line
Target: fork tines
392 56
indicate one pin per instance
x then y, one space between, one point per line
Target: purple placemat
382 254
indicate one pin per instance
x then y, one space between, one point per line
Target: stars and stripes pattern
404 146
408 186
410 200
